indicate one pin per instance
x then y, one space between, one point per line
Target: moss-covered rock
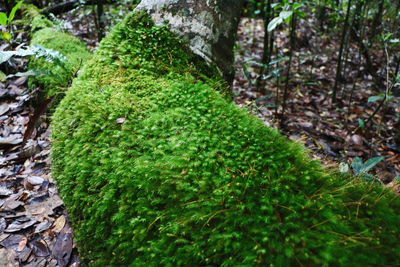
45 34
157 168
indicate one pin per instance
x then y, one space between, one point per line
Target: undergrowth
157 167
45 34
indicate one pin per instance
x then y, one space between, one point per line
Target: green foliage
39 52
361 168
40 22
58 55
158 168
68 47
6 20
287 9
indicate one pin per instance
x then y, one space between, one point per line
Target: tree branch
70 5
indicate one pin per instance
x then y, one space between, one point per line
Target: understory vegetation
73 53
155 166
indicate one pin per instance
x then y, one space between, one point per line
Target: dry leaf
59 224
39 248
22 244
8 258
5 191
20 224
43 226
42 210
62 249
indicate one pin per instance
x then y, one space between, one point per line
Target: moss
29 12
44 33
75 52
185 177
40 22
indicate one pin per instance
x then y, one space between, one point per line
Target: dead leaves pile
34 227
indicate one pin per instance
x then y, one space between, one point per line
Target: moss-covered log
47 35
157 167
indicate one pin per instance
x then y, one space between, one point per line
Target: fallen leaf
3 224
35 180
4 108
22 244
12 241
59 224
37 262
4 192
20 81
23 256
356 139
12 204
19 224
62 248
10 140
43 226
39 248
120 120
42 210
3 236
8 258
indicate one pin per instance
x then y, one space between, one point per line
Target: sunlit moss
158 168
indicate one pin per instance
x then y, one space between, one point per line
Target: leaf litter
34 226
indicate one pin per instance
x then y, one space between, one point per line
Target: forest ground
34 226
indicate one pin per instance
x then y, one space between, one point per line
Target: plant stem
339 65
286 91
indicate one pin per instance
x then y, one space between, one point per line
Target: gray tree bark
209 26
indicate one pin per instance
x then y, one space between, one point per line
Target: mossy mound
45 34
60 75
157 167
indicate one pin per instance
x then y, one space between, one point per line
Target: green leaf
13 10
361 123
369 164
285 14
3 18
272 62
357 165
29 73
5 36
274 5
274 23
297 5
4 56
374 98
2 76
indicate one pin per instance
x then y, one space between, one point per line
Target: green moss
75 52
40 22
44 33
29 12
185 177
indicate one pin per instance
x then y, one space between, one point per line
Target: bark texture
209 26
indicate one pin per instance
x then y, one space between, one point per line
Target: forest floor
34 226
328 131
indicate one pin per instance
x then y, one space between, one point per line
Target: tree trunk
377 21
208 26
